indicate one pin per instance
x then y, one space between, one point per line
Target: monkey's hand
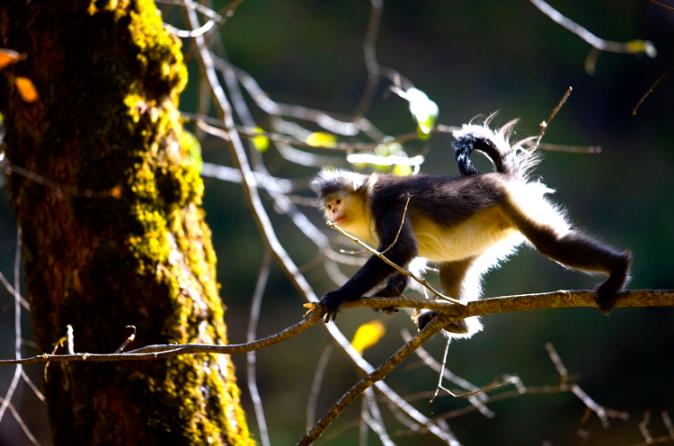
331 303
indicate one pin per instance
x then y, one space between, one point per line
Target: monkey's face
336 208
344 209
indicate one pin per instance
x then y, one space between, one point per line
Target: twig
379 373
18 370
643 427
398 268
319 374
129 339
559 365
662 77
19 420
667 421
10 289
159 351
569 149
255 306
662 4
544 124
375 420
476 400
602 413
400 228
596 42
29 382
370 56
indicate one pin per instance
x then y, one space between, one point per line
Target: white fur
356 180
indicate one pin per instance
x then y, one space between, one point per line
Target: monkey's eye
329 206
338 201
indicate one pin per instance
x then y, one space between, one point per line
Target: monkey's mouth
339 219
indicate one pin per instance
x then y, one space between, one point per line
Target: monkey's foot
453 327
388 310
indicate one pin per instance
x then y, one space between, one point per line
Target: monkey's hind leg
456 279
574 249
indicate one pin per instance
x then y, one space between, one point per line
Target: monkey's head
343 194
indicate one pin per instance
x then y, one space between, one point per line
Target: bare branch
316 382
379 373
631 47
635 110
544 124
643 427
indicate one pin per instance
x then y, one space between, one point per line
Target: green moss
167 242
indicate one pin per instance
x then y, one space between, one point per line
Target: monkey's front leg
373 272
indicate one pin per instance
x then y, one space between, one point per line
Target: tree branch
494 305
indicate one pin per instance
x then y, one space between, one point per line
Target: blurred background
471 58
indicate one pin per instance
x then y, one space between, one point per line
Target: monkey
466 224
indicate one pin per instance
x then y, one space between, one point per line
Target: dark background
471 58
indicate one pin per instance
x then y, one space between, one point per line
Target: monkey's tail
509 159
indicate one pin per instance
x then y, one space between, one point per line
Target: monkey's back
446 200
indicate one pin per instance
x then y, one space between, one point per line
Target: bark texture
119 237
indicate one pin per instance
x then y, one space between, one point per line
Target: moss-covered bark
123 239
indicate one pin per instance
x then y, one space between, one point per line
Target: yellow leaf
8 57
260 140
368 335
322 139
26 89
402 170
641 46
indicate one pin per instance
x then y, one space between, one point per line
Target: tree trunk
113 229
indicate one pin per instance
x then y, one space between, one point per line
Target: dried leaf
8 57
26 89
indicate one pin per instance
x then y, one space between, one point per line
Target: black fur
449 201
464 147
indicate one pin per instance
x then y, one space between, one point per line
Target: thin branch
255 306
569 149
603 413
160 351
319 374
400 228
477 399
667 421
379 373
596 42
671 8
557 361
544 124
643 427
662 77
521 302
18 370
129 339
21 423
370 55
375 420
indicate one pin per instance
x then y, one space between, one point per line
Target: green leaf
424 111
